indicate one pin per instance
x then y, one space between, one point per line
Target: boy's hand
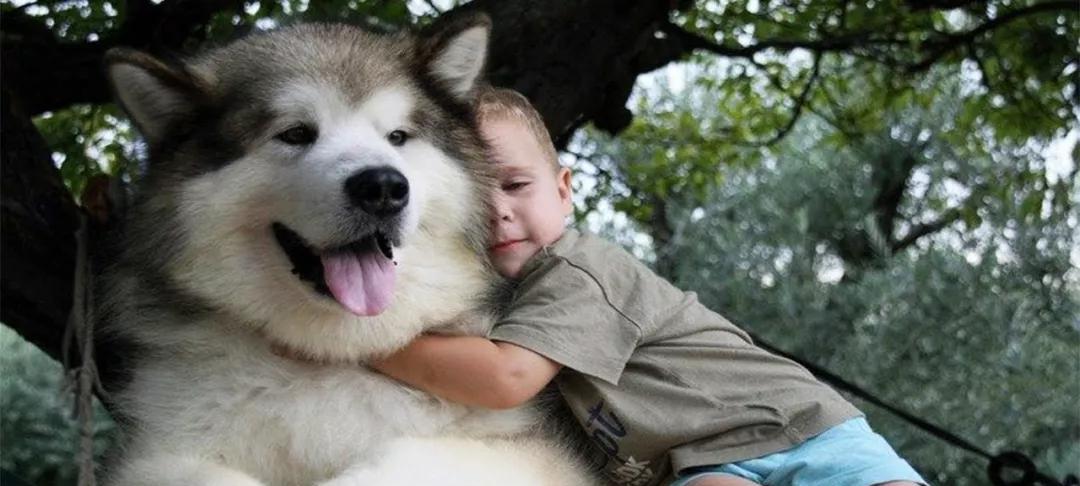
471 370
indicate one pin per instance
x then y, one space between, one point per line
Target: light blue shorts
849 454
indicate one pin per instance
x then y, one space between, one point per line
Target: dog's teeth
384 246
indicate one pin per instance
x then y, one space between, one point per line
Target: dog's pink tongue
364 284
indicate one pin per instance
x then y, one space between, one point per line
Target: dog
315 197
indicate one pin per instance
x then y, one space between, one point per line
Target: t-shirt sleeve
562 313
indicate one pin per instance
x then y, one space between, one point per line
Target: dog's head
322 182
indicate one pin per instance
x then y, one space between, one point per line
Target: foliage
40 436
94 20
88 140
1021 55
976 331
667 152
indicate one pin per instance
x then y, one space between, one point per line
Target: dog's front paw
355 477
170 470
230 478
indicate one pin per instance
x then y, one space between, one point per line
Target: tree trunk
39 221
576 61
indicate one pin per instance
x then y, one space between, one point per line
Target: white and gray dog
320 190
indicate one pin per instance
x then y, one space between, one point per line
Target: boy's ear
564 179
156 96
454 50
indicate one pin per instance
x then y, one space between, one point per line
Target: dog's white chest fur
283 420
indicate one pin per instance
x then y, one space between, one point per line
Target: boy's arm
471 370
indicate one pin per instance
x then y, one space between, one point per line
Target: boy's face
532 200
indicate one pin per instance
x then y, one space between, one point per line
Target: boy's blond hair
501 104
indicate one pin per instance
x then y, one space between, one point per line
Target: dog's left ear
160 98
453 51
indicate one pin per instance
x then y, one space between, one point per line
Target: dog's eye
298 135
397 138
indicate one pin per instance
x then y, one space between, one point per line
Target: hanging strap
1013 464
83 379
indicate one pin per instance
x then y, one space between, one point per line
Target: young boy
665 387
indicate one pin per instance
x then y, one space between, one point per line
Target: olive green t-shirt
658 381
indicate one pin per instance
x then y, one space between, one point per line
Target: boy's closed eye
515 185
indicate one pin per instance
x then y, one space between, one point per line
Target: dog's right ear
157 97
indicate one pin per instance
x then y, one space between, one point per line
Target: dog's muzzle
359 275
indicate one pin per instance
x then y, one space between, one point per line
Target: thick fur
205 293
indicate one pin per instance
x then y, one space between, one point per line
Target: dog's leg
439 462
466 462
175 470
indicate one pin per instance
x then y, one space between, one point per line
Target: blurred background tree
41 436
863 184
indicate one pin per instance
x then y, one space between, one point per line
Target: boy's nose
500 216
500 210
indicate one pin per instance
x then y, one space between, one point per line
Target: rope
83 380
1000 463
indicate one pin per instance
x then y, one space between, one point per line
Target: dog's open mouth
359 275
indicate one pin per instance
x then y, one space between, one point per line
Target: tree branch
891 183
917 5
692 41
945 45
33 56
432 6
579 155
836 119
925 229
944 220
800 102
680 41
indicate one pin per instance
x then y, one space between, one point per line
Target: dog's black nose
381 192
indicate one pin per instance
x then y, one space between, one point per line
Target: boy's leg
728 480
721 480
847 454
718 475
